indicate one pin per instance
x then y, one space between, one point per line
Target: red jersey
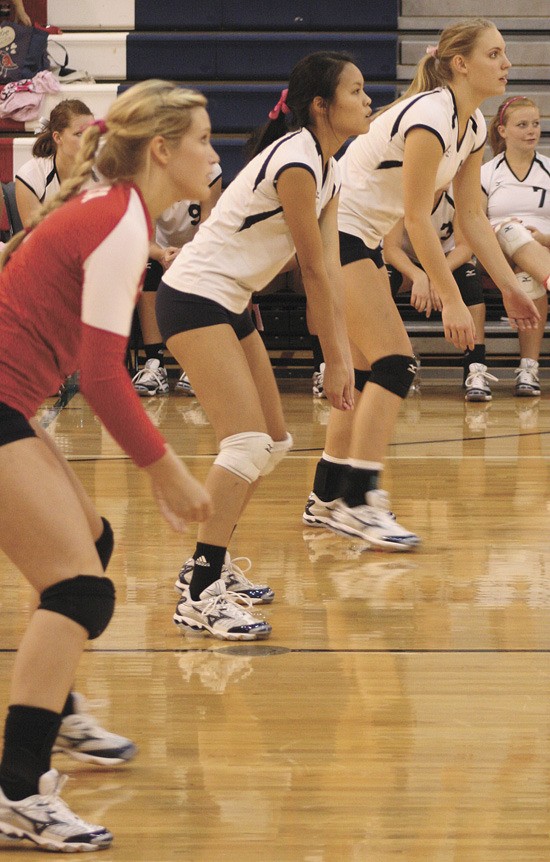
67 298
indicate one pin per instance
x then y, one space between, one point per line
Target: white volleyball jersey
40 176
527 199
245 241
442 220
178 224
371 199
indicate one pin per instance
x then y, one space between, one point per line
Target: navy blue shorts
182 312
13 425
352 248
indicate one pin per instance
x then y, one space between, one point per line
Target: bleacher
239 55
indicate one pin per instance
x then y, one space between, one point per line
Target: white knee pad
246 454
278 452
532 288
512 235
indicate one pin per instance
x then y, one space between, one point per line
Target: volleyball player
284 202
433 135
67 296
516 183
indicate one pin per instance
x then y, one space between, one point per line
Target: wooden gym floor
400 709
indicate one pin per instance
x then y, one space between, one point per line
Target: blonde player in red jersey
67 297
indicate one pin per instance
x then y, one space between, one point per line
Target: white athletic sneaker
183 385
527 379
81 737
477 383
220 614
317 513
152 379
373 522
48 822
317 380
235 580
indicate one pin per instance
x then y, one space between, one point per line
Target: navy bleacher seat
243 56
266 15
235 107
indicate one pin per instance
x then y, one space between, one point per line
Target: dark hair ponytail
316 74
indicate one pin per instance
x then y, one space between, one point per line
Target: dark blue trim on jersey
254 219
395 127
307 168
428 129
30 188
384 166
263 169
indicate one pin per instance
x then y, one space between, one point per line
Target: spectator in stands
283 202
516 183
406 274
17 10
53 157
67 298
431 136
175 227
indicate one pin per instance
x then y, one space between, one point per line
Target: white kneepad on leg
245 454
512 235
278 452
532 288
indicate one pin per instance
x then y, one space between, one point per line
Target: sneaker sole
192 628
85 757
524 393
12 834
476 397
377 544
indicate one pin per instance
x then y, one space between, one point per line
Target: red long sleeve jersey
67 298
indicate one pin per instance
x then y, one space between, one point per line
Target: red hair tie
280 106
101 124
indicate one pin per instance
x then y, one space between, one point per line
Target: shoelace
485 376
229 606
147 374
237 571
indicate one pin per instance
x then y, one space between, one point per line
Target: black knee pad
394 373
469 284
86 599
105 543
361 378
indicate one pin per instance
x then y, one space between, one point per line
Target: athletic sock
329 476
29 735
359 480
207 569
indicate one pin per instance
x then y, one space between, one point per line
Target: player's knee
105 543
361 378
469 284
245 454
85 599
394 373
278 452
512 235
532 288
